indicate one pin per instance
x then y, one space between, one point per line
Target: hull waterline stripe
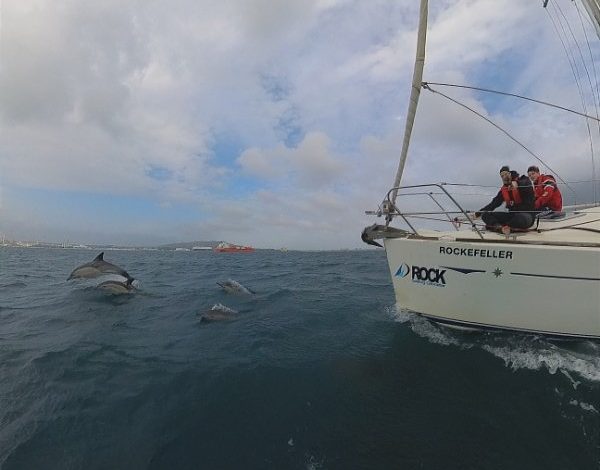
484 326
574 278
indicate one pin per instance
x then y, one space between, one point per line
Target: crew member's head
505 174
533 172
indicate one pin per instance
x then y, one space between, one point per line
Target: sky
271 123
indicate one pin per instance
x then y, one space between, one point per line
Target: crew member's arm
546 196
496 202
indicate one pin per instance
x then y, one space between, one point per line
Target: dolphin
234 287
367 235
117 287
98 267
218 312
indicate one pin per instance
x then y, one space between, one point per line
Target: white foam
399 314
234 287
313 463
423 327
584 406
551 359
518 352
222 308
573 381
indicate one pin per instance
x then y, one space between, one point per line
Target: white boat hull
534 288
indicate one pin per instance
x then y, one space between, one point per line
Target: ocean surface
317 370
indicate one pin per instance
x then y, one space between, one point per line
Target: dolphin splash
218 312
117 287
234 287
96 268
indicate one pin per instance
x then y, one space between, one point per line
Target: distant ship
225 247
199 248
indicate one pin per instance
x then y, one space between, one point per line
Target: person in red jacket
517 195
547 194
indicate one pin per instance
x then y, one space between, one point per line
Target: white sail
415 91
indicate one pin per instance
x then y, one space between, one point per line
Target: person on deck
518 196
547 194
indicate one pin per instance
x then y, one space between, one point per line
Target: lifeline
504 254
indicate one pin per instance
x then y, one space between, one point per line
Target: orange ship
225 247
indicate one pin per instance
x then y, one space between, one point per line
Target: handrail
390 209
430 194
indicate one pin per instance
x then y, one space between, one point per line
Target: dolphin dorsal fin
100 257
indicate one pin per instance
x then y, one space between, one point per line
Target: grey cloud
93 95
309 165
67 60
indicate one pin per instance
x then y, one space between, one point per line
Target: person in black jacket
518 196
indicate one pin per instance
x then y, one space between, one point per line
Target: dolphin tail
124 273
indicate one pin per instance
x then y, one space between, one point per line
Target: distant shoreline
66 246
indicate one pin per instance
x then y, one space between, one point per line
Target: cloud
310 165
286 118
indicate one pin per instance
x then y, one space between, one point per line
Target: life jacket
553 200
511 195
542 182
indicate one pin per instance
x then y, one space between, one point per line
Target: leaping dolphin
98 267
218 312
234 287
117 287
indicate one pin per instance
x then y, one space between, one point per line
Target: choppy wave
313 360
17 284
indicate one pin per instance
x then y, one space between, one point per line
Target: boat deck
576 228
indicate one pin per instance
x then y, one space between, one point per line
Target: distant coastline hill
188 245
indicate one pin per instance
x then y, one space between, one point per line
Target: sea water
317 370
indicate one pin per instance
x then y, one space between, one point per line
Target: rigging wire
587 16
513 95
529 151
570 59
584 181
589 48
596 92
574 69
576 43
489 186
589 79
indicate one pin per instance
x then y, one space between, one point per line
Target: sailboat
545 280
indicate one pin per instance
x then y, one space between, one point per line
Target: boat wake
543 355
425 328
576 360
572 368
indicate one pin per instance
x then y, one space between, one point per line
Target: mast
593 9
414 93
